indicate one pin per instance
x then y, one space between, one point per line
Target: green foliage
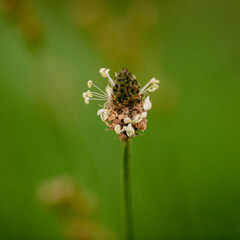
185 169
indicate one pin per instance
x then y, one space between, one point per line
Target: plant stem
126 191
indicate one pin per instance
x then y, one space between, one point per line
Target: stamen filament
142 90
149 88
98 88
98 99
110 79
99 94
146 90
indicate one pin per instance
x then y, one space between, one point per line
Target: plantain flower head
125 103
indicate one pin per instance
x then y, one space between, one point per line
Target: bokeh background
185 169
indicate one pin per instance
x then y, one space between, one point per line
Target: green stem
126 191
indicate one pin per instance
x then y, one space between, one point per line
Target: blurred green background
185 169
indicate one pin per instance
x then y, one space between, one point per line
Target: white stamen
100 111
153 88
100 99
154 81
127 120
99 95
89 83
103 113
144 114
124 129
108 90
104 72
109 78
104 116
84 95
117 129
130 130
147 105
87 100
101 70
89 94
141 91
137 118
99 89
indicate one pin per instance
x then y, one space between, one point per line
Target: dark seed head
125 90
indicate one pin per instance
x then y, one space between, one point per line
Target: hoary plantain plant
124 111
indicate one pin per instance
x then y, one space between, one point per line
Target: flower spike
125 104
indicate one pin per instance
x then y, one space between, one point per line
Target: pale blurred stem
126 191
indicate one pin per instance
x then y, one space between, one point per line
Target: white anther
144 114
86 100
108 90
137 118
153 88
147 105
100 111
154 81
89 83
117 129
104 72
127 120
130 130
89 94
84 95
